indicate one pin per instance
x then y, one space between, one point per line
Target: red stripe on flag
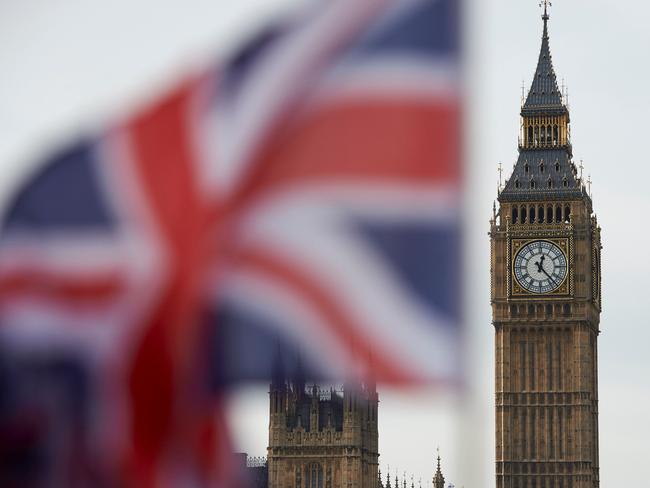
88 290
361 347
164 158
380 140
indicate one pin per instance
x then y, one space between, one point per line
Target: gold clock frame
566 287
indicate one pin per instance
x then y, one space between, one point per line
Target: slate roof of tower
529 169
556 178
544 92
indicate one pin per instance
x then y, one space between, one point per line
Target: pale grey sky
66 65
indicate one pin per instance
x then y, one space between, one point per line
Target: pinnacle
544 91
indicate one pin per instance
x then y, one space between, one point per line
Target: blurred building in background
257 471
323 438
546 302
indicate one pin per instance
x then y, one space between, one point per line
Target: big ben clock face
540 267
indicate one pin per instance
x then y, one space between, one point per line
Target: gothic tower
438 478
545 288
323 438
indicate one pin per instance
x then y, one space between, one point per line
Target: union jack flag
303 197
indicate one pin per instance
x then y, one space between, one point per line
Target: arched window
314 478
549 135
557 166
549 214
526 167
541 166
530 136
532 184
567 214
540 214
536 135
523 215
556 135
515 215
549 182
558 214
516 183
542 134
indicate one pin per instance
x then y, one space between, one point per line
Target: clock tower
545 290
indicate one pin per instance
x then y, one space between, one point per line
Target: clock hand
540 264
549 276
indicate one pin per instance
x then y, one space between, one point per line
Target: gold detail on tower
545 132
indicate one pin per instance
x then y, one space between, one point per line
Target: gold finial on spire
546 4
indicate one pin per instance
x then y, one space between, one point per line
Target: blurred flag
303 198
338 143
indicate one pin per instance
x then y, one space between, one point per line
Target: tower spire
438 478
545 4
545 137
544 91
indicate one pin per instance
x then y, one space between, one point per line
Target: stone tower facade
546 303
323 438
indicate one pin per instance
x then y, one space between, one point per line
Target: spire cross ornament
589 185
546 4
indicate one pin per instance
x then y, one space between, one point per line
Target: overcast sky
67 65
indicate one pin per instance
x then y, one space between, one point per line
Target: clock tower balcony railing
523 145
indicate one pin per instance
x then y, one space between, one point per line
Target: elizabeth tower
545 284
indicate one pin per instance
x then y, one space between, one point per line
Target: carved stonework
338 448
